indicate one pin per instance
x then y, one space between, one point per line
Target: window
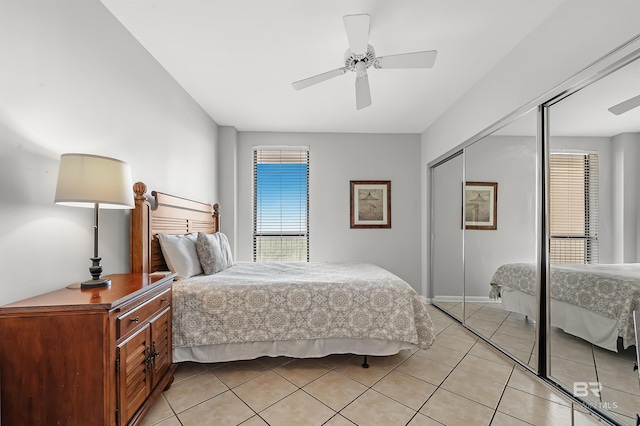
573 208
281 204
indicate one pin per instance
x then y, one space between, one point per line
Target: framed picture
370 204
481 205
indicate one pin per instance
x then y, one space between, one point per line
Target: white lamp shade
84 180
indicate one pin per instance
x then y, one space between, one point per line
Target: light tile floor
572 359
459 381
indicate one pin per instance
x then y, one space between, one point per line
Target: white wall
578 33
626 198
72 79
335 160
227 181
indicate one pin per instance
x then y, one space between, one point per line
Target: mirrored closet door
586 150
447 271
500 232
594 193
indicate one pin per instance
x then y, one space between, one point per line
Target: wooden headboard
169 215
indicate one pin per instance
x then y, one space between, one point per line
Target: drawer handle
164 299
136 319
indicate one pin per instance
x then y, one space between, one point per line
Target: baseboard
472 299
447 299
481 299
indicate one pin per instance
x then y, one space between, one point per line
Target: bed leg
364 362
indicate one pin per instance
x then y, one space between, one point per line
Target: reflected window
574 208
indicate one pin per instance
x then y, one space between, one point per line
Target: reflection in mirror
505 160
595 274
447 279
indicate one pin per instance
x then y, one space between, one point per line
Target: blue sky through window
281 198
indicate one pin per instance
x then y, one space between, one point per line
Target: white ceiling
238 58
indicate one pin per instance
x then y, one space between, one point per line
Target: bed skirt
580 322
313 348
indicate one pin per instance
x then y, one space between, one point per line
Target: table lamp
96 182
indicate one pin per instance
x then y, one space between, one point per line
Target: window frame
281 155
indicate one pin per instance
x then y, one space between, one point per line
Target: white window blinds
573 207
281 204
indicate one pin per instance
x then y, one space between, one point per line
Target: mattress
319 303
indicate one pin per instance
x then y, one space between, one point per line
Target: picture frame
370 204
481 205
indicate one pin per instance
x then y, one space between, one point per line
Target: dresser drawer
141 314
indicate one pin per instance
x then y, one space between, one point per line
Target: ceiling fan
360 56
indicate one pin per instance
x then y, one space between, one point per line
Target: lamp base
95 269
100 282
90 284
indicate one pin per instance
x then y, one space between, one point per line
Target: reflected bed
594 302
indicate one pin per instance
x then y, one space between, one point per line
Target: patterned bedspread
292 301
611 290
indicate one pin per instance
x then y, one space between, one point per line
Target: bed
248 310
594 301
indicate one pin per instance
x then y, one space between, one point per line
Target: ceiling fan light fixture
361 69
351 59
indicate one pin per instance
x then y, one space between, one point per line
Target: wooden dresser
97 356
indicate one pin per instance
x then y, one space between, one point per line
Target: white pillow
180 254
214 252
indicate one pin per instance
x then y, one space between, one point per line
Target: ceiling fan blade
357 27
625 106
363 94
301 84
424 59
